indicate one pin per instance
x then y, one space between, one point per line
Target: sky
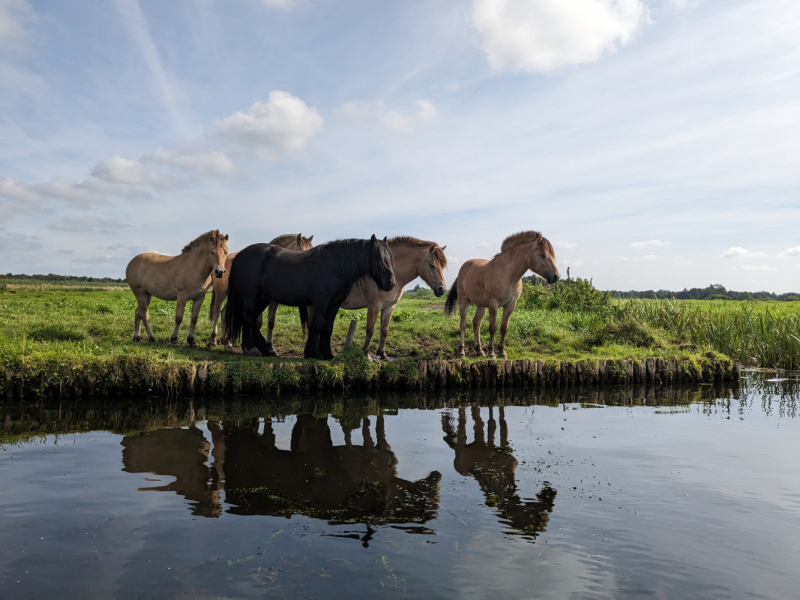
655 143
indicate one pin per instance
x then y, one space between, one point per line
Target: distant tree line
713 292
53 278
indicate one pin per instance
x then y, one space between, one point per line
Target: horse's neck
515 261
406 262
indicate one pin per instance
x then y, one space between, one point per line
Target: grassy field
570 322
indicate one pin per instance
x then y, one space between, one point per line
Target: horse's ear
310 238
385 239
226 237
299 239
374 240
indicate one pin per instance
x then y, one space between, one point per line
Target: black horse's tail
303 310
234 309
450 305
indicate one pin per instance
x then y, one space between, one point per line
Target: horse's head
542 259
381 264
431 266
304 243
218 249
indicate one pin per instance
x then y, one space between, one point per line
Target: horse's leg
180 307
327 332
372 316
492 330
507 310
146 318
138 316
386 318
463 306
218 297
196 305
272 309
476 329
317 319
261 343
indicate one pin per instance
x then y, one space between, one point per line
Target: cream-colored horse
291 241
412 258
176 278
497 283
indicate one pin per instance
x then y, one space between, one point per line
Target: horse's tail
234 309
450 305
303 310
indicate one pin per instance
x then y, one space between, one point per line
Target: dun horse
320 278
291 241
176 278
412 258
497 283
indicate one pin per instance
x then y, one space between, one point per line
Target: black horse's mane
352 257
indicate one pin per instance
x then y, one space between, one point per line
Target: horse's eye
431 266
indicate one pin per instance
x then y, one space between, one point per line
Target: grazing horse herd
350 274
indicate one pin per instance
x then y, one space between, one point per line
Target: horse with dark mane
320 278
497 283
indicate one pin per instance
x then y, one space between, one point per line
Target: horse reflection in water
493 467
341 484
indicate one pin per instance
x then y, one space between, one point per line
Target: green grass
78 327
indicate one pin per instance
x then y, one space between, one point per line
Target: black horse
321 278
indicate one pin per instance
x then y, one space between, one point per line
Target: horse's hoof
492 355
273 352
173 341
503 355
480 352
253 352
192 342
152 340
136 338
383 356
212 341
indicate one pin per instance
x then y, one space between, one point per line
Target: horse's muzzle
219 273
439 290
389 285
552 277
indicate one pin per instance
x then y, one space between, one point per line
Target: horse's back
142 266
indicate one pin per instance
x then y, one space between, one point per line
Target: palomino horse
182 278
497 283
321 278
291 241
412 258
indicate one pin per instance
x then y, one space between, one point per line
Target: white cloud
566 245
284 123
12 14
739 252
546 34
119 170
790 252
281 4
482 245
650 243
759 268
366 112
210 164
17 242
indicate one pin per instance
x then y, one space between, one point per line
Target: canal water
630 493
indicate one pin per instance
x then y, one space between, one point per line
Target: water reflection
347 483
493 467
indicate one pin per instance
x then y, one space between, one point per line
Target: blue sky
655 143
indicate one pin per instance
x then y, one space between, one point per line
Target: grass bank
78 339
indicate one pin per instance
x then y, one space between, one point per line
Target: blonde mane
526 237
200 240
437 253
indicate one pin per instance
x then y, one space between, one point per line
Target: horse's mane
284 238
199 241
525 237
437 253
352 257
